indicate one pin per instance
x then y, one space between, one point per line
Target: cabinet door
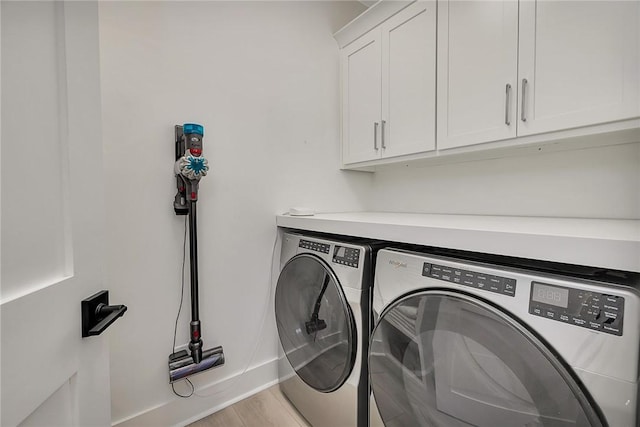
477 71
408 81
361 92
578 63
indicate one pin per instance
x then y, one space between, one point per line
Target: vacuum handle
112 312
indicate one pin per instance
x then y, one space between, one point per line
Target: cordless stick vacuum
190 166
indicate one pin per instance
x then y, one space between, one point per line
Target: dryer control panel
346 256
579 307
343 255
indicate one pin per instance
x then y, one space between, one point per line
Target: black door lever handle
98 315
109 314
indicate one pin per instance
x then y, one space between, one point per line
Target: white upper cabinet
408 81
503 75
477 71
509 69
578 63
388 87
361 98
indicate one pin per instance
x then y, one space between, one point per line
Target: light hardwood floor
269 408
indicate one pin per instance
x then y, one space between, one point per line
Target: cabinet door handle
375 135
382 134
523 117
506 105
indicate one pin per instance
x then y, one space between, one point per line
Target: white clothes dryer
323 316
462 342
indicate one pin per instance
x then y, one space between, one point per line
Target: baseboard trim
209 398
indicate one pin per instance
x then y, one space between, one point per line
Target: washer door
441 358
315 324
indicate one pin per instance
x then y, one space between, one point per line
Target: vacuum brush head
181 364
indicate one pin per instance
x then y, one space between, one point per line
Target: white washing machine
323 315
469 343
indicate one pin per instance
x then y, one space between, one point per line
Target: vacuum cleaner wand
189 167
195 345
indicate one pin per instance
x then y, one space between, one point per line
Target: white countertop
607 243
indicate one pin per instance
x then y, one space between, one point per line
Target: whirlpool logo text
398 264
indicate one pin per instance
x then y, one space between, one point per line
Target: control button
426 269
564 318
612 329
609 307
446 276
510 292
592 313
495 280
537 310
578 321
611 299
482 280
495 284
457 272
550 314
469 282
595 325
436 272
456 279
610 315
469 278
509 286
447 270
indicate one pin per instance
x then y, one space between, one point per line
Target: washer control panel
346 256
314 246
487 282
579 307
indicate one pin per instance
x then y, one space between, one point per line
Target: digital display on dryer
551 295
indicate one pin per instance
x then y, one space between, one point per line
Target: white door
361 98
409 81
52 216
477 71
580 63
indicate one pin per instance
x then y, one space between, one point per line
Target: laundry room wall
262 77
602 182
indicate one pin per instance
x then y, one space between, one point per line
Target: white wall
591 183
263 80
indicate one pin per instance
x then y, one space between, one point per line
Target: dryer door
442 358
315 325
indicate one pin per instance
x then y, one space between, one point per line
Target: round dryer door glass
439 358
315 324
